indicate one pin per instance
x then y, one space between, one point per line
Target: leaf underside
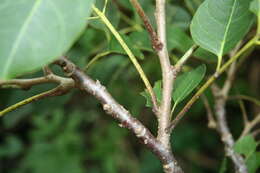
255 7
35 32
218 25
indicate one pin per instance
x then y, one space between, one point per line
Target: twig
226 136
118 112
59 90
24 83
256 132
247 98
185 57
97 57
243 110
168 72
230 79
250 125
221 96
131 56
65 84
157 45
211 120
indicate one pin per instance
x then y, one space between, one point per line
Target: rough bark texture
118 112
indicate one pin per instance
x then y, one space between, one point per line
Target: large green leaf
35 32
218 25
178 39
255 7
187 82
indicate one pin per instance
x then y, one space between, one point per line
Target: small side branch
65 85
157 45
211 120
226 136
221 96
250 125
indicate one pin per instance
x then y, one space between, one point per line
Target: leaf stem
25 102
130 54
157 45
173 108
62 89
219 63
185 57
97 57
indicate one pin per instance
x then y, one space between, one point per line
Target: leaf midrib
20 36
227 29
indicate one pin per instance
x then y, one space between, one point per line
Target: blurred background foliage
71 133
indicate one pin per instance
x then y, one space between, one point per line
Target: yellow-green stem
97 57
23 102
128 51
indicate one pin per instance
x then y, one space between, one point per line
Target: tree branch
226 136
157 45
131 56
28 83
168 76
211 120
250 125
221 96
118 112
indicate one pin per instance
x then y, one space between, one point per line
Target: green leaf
178 39
35 32
246 145
158 92
255 7
218 25
187 82
223 167
253 162
178 16
192 5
